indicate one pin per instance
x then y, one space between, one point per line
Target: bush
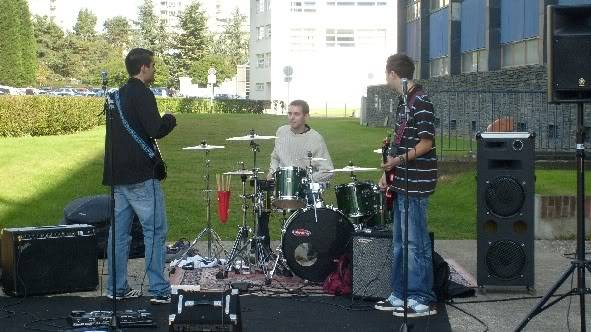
45 115
52 115
195 105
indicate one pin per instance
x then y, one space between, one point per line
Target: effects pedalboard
127 318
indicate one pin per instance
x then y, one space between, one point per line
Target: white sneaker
389 304
415 309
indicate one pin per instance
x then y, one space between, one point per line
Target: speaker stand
579 264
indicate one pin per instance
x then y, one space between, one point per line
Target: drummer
292 145
295 140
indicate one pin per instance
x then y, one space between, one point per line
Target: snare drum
290 191
312 241
357 199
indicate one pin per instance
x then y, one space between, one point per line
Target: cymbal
249 138
203 147
241 172
313 159
378 151
353 169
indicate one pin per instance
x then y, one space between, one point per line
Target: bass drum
311 246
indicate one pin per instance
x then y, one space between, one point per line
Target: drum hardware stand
208 229
280 259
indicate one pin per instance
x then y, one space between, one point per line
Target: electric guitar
389 174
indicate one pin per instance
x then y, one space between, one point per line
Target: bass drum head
311 247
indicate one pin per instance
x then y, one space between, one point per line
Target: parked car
85 92
4 91
64 92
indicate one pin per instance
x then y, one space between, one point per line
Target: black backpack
440 278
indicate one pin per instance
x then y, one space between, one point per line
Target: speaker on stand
505 209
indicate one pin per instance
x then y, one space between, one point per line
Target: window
302 39
340 37
260 33
345 3
303 6
413 10
520 54
521 126
268 31
260 86
365 3
260 61
474 61
453 124
440 67
552 131
370 38
437 4
267 59
473 126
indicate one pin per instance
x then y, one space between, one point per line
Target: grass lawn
40 175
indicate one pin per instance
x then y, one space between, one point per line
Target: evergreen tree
28 46
117 31
193 42
85 25
10 47
148 26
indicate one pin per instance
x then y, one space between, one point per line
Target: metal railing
461 114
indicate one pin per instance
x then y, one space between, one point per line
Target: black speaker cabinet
505 209
53 259
372 264
568 50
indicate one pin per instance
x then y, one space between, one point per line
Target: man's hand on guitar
382 183
390 163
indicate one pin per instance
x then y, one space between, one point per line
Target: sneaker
161 299
415 309
130 294
389 304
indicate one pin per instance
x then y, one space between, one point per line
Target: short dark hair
301 103
402 65
136 58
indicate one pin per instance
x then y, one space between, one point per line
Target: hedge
53 115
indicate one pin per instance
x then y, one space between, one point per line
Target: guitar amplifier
51 259
204 311
372 263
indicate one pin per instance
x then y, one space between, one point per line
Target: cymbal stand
208 230
242 242
262 255
309 171
280 258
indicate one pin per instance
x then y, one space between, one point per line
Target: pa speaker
45 260
505 209
372 264
568 50
95 211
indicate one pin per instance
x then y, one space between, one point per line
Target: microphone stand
114 324
405 327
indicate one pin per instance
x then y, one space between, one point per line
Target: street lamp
211 80
287 71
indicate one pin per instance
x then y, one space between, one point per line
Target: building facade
325 52
217 11
480 60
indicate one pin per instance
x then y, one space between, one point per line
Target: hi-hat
249 138
203 147
353 169
241 172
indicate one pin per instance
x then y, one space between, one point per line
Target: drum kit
314 234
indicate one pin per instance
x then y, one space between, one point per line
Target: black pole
109 114
581 212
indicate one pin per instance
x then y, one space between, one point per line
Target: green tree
193 42
27 44
233 41
117 31
10 48
85 25
221 63
148 26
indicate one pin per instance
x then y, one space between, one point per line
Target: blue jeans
146 200
420 261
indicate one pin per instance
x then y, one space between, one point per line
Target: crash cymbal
241 172
203 147
353 169
250 138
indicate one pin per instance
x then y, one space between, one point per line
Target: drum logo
301 232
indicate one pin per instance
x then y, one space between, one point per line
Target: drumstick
228 183
217 181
